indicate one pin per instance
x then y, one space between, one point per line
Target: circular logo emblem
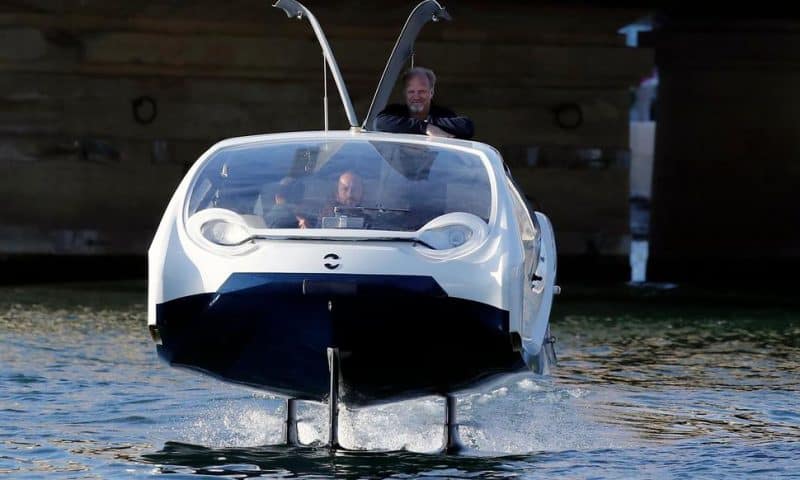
332 262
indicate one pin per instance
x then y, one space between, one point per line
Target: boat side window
527 230
203 195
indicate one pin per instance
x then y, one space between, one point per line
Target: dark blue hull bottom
398 336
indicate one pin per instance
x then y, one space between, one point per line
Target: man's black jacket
397 119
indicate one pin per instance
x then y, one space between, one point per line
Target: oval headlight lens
458 235
224 233
450 236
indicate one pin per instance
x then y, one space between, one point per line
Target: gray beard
415 107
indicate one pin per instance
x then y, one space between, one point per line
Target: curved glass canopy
352 184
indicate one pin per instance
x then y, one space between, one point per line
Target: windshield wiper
341 209
413 240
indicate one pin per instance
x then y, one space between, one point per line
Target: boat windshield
351 184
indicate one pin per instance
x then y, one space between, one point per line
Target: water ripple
668 392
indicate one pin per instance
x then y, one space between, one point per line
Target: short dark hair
290 190
420 72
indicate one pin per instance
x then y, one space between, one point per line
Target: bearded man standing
419 115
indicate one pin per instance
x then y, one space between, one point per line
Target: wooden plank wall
727 175
78 174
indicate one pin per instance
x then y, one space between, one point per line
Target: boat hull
398 336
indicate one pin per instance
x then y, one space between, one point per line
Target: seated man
349 192
418 115
284 213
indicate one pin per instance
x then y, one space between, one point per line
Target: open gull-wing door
297 10
428 10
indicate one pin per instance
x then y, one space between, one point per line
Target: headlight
221 231
225 233
452 234
442 238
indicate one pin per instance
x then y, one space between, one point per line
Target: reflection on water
280 461
641 386
702 352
